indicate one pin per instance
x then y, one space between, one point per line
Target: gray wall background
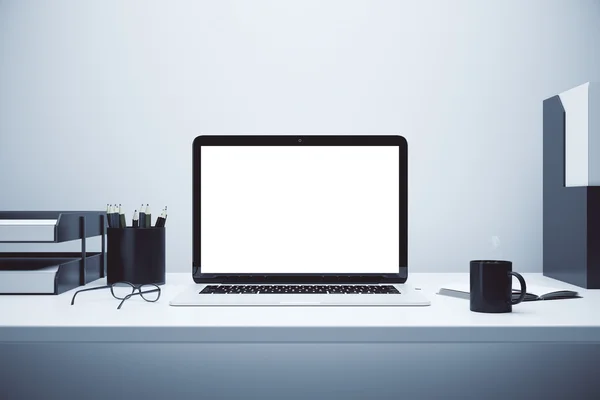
100 102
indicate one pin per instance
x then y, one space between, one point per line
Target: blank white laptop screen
288 209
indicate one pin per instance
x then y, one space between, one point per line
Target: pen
142 217
122 222
135 222
148 217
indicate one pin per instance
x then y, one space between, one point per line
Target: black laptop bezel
306 140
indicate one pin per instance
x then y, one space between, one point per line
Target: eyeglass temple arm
87 290
135 294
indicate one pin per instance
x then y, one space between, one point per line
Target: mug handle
523 288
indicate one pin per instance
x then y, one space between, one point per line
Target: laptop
300 221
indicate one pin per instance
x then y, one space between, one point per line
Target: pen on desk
135 222
122 222
148 217
142 217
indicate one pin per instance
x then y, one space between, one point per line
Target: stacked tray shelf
70 269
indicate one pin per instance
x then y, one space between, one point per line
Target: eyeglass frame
133 292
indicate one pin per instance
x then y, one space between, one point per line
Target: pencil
108 215
135 223
115 215
122 222
142 217
160 222
148 217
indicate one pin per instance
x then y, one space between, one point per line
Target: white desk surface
94 318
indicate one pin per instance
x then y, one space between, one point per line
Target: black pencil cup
136 255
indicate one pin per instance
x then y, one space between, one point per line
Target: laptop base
408 296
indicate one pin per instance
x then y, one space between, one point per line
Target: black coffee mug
491 286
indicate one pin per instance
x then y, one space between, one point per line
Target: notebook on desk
304 221
534 292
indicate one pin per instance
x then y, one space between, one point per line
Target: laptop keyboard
300 289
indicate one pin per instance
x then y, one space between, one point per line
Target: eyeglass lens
120 290
150 292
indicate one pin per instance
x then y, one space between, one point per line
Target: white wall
100 101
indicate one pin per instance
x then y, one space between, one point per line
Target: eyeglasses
125 290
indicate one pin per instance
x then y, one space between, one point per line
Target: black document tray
72 271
